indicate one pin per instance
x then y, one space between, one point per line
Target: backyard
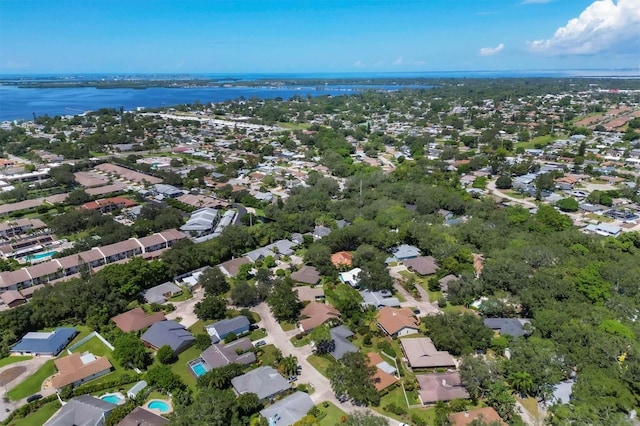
40 416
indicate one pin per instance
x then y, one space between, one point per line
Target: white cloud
604 25
490 51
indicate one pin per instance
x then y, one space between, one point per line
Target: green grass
294 126
39 417
33 383
95 346
198 328
287 326
257 334
531 405
181 368
332 414
185 295
541 140
267 356
396 397
13 359
320 363
298 343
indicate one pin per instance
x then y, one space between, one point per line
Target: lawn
33 383
39 417
531 405
320 363
287 326
185 295
267 356
332 414
294 126
181 368
198 328
396 397
258 334
298 343
13 359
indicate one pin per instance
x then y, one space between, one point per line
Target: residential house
168 333
478 264
342 259
236 352
12 298
563 391
84 410
378 299
160 293
44 343
397 322
221 329
136 319
307 275
604 229
288 410
201 222
422 353
440 387
107 205
486 415
15 227
79 368
320 232
309 294
141 417
231 267
423 265
404 252
510 326
316 314
343 345
384 375
351 277
444 282
265 382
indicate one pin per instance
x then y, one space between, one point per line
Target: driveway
31 365
425 306
309 374
184 309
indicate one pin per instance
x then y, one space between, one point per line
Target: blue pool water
39 256
159 405
114 399
199 369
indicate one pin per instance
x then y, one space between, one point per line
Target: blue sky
226 36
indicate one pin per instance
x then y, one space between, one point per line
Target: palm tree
521 382
288 365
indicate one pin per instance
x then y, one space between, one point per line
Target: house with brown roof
422 353
381 379
307 275
231 267
309 294
485 414
136 319
12 298
397 322
79 368
478 264
423 265
342 259
316 314
440 387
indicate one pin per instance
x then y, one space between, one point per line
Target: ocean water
23 103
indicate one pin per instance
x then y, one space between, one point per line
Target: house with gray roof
260 253
237 352
44 343
283 247
168 333
84 410
321 232
160 293
307 275
343 345
265 382
141 417
378 299
221 329
509 326
201 222
403 252
288 410
562 391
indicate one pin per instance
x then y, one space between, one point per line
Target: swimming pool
159 405
39 256
114 398
198 369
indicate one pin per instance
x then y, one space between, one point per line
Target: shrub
386 347
393 408
418 421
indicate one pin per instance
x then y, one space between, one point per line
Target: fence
86 339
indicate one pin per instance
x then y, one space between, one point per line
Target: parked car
34 397
293 378
260 343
